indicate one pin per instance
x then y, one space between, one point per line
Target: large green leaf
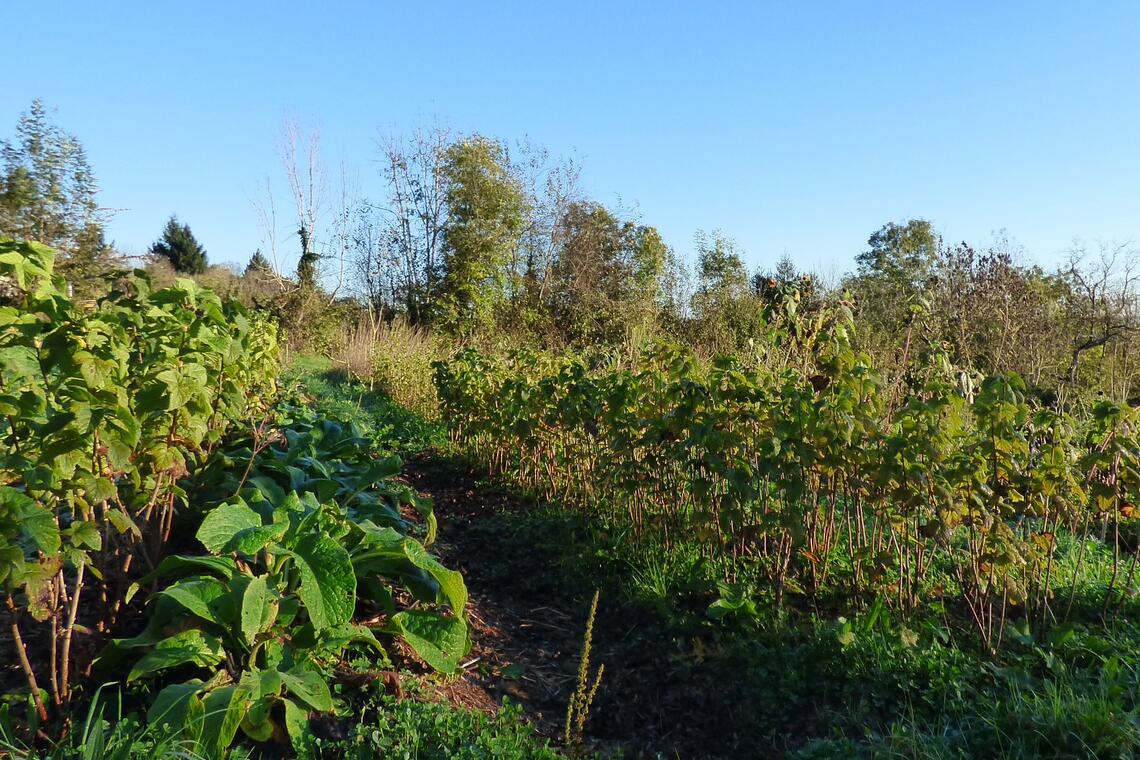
36 522
296 724
38 579
376 471
254 608
260 730
450 581
197 595
225 709
268 488
328 583
100 490
223 567
252 540
264 687
190 646
21 362
375 535
225 525
170 705
309 687
337 638
122 522
440 641
84 534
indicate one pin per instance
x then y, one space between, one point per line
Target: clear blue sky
795 127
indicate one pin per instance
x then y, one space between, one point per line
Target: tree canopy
487 210
48 194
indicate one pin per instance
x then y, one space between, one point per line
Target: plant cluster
314 527
104 411
799 470
129 426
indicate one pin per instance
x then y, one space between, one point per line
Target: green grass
408 729
822 687
392 428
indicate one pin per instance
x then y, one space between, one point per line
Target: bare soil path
660 697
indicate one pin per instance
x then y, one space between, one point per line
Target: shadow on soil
667 691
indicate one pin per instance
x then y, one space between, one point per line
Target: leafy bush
102 411
800 474
315 527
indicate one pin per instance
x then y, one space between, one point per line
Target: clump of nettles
579 707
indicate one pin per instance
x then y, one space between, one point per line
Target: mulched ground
657 699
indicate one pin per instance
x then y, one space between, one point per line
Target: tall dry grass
357 350
395 358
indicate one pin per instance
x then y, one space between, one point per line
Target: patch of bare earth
655 699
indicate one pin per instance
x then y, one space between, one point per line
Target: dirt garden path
656 699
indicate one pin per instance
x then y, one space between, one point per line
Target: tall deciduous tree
722 276
552 187
399 245
178 245
48 194
904 254
999 316
724 306
486 211
606 278
892 287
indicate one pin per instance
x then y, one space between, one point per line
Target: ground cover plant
313 533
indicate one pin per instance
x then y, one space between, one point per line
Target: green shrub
103 409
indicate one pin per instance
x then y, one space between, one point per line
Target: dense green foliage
486 208
800 479
154 413
105 410
606 279
314 529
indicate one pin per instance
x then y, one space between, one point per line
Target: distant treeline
478 240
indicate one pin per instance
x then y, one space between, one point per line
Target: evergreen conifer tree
179 246
258 264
